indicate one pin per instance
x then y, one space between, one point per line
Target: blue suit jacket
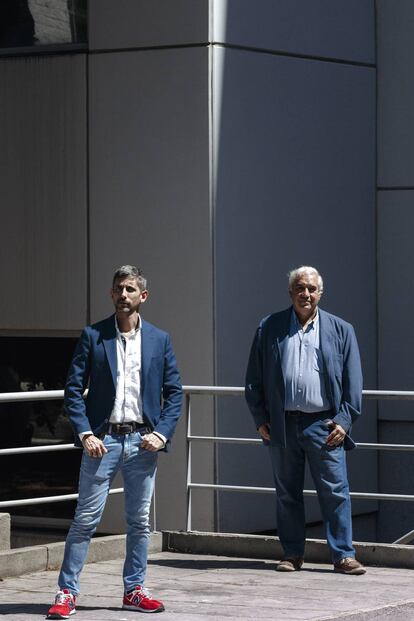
94 364
265 384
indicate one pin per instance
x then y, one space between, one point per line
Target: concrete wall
294 183
43 254
395 252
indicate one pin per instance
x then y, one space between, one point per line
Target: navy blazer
265 384
94 365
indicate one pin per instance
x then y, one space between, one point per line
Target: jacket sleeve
351 402
171 394
254 386
77 381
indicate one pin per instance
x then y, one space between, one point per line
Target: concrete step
268 547
25 560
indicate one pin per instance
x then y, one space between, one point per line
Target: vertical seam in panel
213 265
377 407
88 227
212 181
376 187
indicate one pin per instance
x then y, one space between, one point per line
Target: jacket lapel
109 341
325 334
147 349
279 343
325 338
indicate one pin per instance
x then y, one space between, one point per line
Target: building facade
218 144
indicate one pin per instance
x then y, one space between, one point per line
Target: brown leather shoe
350 566
290 564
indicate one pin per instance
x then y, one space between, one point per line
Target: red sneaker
63 607
139 599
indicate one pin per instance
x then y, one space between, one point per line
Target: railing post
189 490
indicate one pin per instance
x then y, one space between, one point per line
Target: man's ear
144 295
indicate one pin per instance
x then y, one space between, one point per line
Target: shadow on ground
203 565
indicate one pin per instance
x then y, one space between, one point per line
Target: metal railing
239 391
213 391
39 395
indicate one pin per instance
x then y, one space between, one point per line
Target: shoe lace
142 592
346 562
63 598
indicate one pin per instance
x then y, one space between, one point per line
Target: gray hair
130 271
293 275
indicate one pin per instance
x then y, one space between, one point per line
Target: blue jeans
306 438
138 468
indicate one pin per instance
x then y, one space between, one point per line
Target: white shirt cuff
160 436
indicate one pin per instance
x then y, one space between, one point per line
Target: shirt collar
137 329
296 325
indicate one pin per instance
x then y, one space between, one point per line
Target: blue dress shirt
303 368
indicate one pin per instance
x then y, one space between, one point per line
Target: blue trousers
138 468
306 439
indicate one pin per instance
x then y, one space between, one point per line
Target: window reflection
26 23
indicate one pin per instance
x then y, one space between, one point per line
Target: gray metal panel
343 29
43 192
395 298
149 204
294 155
395 93
146 23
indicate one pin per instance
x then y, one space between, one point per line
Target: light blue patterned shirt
303 368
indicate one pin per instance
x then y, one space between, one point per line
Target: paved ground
214 587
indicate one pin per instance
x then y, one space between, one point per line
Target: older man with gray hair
304 388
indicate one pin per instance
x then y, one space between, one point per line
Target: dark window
36 363
25 23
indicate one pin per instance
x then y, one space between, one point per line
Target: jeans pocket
102 472
98 468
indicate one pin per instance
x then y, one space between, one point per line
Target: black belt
300 413
121 429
